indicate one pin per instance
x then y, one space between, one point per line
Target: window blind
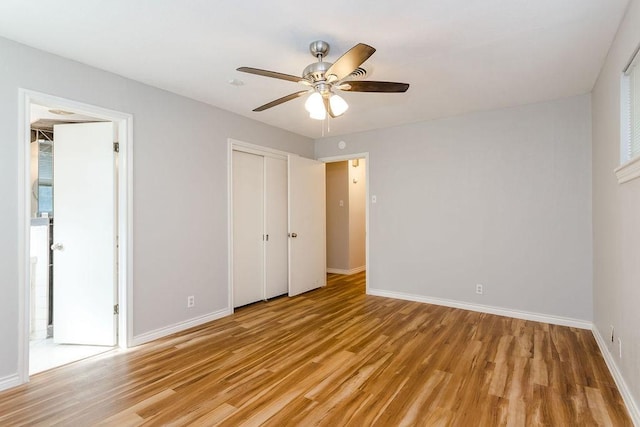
45 163
634 108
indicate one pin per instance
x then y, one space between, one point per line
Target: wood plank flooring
334 357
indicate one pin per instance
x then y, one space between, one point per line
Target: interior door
276 249
84 269
307 224
248 228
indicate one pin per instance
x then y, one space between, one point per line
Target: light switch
341 203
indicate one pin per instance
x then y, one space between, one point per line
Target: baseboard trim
341 271
10 382
518 314
178 327
631 405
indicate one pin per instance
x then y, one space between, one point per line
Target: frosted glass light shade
338 105
314 103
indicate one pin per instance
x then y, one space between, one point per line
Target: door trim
125 215
364 156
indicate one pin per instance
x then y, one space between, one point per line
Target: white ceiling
458 55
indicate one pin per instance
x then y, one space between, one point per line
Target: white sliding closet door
276 251
272 197
248 228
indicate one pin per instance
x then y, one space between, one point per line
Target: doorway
76 191
347 214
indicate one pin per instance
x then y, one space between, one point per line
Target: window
45 177
630 121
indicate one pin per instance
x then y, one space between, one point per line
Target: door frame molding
124 211
365 156
237 145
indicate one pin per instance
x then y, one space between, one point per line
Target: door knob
294 235
57 247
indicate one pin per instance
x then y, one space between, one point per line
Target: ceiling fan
324 78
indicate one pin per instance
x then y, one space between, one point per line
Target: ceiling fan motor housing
315 72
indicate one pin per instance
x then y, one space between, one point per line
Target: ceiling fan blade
349 62
281 100
273 74
372 86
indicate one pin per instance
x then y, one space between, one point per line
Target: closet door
276 249
248 228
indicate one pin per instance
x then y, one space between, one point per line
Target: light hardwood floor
336 357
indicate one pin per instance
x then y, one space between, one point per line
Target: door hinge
116 147
116 309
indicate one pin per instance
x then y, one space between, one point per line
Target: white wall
180 188
616 215
501 198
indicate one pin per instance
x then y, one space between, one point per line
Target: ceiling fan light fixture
315 106
338 105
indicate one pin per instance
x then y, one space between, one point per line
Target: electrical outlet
479 289
191 301
620 347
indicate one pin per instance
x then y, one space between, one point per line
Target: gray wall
337 188
180 187
501 198
616 214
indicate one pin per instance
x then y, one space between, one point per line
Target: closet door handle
57 247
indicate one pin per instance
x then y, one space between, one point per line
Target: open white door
307 241
84 269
